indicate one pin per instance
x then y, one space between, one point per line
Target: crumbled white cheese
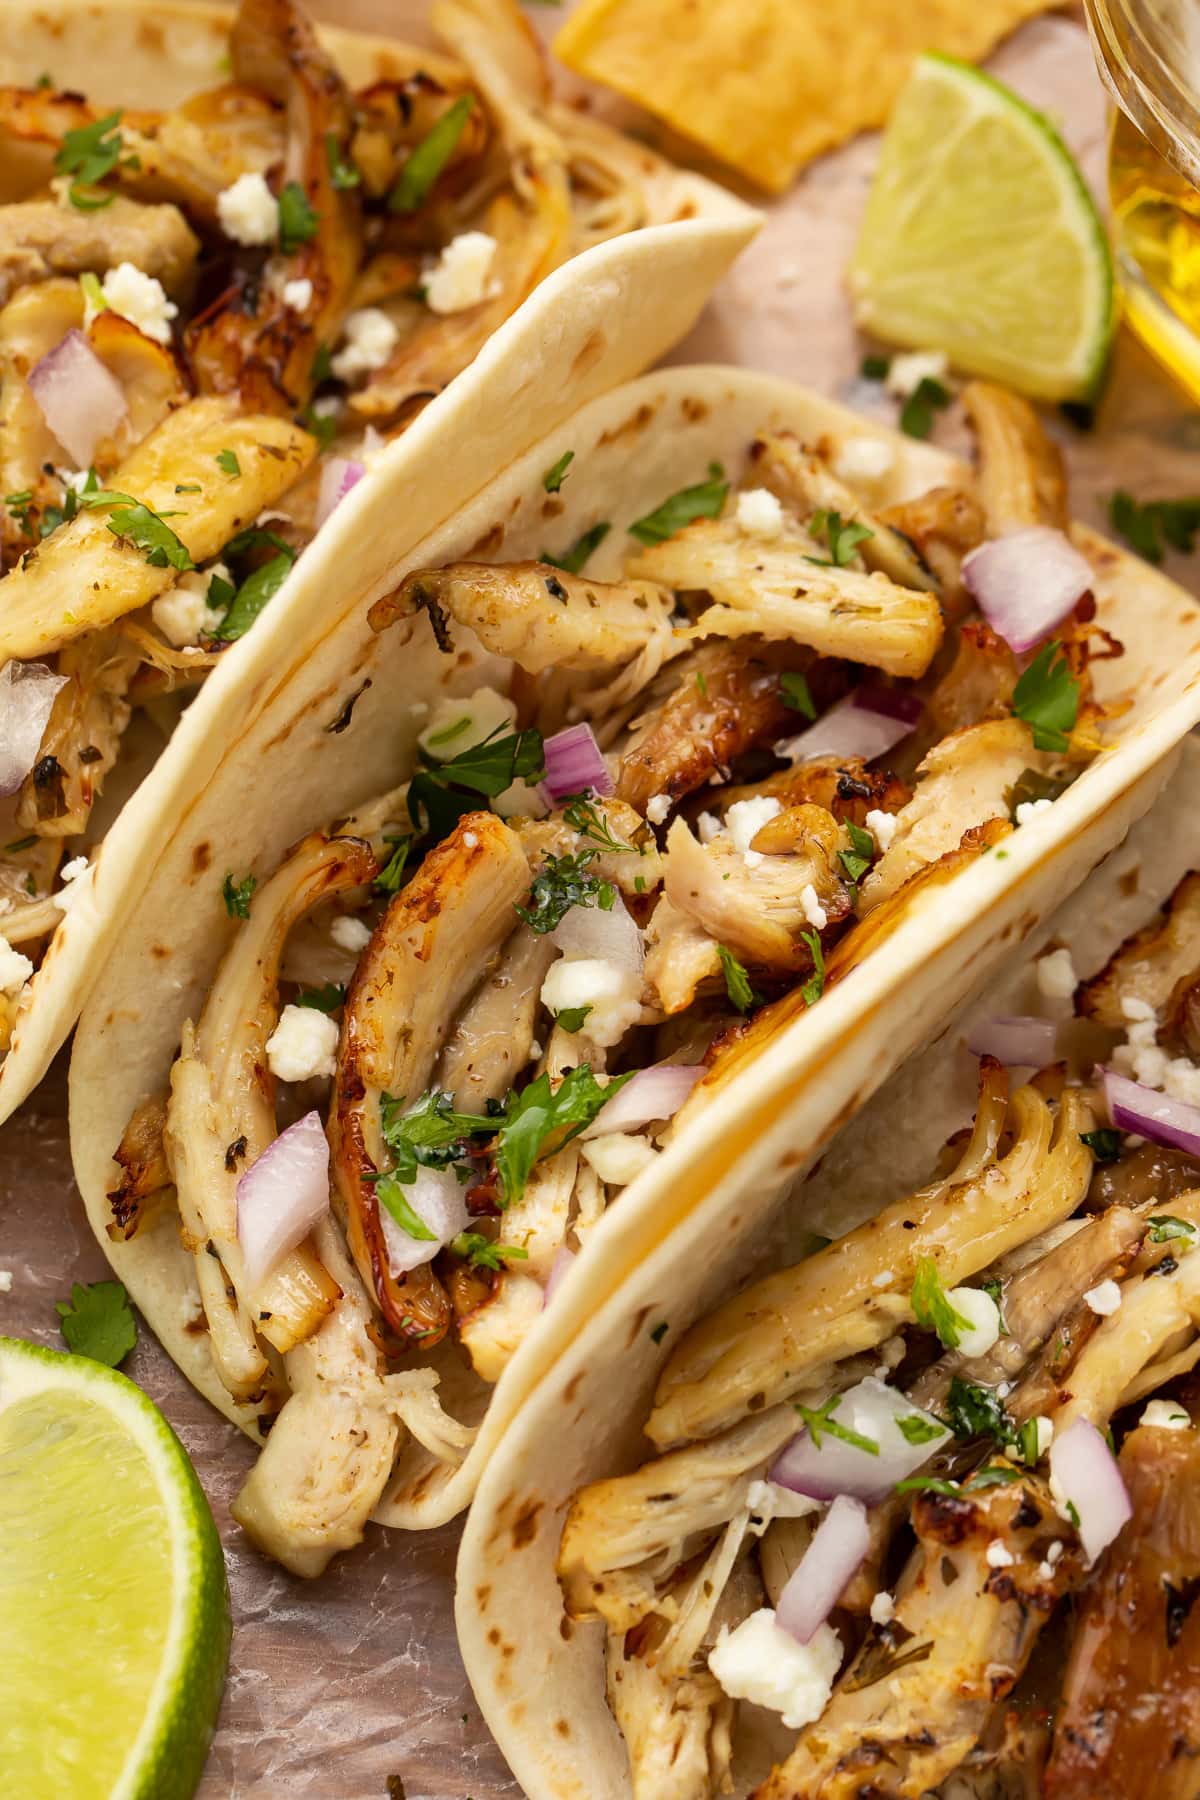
370 337
657 808
767 1500
1045 1433
998 1555
15 969
761 1662
460 722
470 840
1104 1299
745 820
1137 1010
182 614
613 993
883 1279
74 878
327 406
865 459
882 827
5 1281
907 372
74 480
982 1316
708 827
520 801
883 1608
303 1044
141 299
619 1157
1168 1415
298 294
459 278
759 513
248 211
1029 810
811 907
1045 1571
1056 977
349 933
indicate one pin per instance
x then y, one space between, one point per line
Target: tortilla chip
766 85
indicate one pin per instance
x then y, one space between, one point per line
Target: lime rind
165 1757
913 284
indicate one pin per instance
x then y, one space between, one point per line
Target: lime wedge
114 1613
980 238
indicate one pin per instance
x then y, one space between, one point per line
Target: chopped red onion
282 1195
1027 582
80 399
868 723
1084 1471
1018 1042
563 1258
27 693
610 935
832 1466
437 1198
814 1586
1163 1120
574 765
654 1093
338 476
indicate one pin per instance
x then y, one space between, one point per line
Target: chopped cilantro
298 218
1072 1512
259 587
432 1134
322 425
450 732
704 501
737 982
841 538
428 158
443 790
927 398
976 1411
814 987
702 688
552 480
389 1193
537 1120
324 999
874 368
237 895
796 694
561 883
994 1475
821 1420
1165 1226
858 859
141 526
88 154
93 293
188 487
1047 698
483 1253
918 1430
98 1322
18 505
1104 1143
573 560
227 460
571 1017
994 1289
322 365
925 1484
1027 1443
25 843
1029 785
932 1308
390 878
1146 524
582 816
342 172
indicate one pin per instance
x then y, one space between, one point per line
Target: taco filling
887 1473
449 1030
212 321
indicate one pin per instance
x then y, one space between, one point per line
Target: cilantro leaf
324 999
483 1252
821 1420
927 398
932 1308
537 1120
1104 1143
237 895
704 501
552 480
1146 524
342 172
1030 785
390 1194
994 1289
994 1475
572 561
737 982
18 505
428 158
298 218
814 987
98 1322
1047 698
259 587
432 1134
926 1484
322 425
874 368
796 694
390 878
141 526
1165 1226
227 460
571 1017
918 1430
582 815
441 792
561 883
842 538
89 154
861 854
976 1411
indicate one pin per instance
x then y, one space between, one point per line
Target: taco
569 852
892 1489
237 262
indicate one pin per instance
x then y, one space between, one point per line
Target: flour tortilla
538 1678
282 773
600 318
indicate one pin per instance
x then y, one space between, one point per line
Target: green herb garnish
1165 1226
796 694
995 1475
704 501
571 1017
842 538
342 172
227 460
98 1322
444 789
298 218
573 560
927 398
814 987
1147 525
975 1411
1104 1143
483 1253
858 859
561 883
89 154
237 895
140 525
737 982
918 1430
390 878
389 1193
1047 698
932 1308
583 817
821 1420
552 480
537 1120
428 158
326 999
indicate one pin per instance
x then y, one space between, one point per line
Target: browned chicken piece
392 117
1157 965
1129 1728
539 616
844 786
1022 479
978 685
700 714
762 912
806 484
142 1160
787 1330
962 782
678 1732
423 962
1146 1176
39 238
942 525
490 1040
267 356
778 589
680 957
920 1692
83 735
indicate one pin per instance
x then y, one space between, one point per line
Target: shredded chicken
677 1732
39 238
1157 965
1022 480
943 525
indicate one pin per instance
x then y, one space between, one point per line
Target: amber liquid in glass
1156 234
